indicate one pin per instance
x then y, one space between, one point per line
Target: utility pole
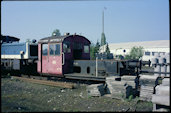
103 21
103 38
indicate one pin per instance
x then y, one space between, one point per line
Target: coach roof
59 38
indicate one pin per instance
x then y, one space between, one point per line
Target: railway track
67 82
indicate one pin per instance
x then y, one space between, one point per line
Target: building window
147 53
86 49
153 53
44 49
161 53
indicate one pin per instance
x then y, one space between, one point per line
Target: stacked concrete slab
120 87
147 84
95 90
131 80
161 98
161 63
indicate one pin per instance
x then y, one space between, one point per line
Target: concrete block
168 59
146 92
160 99
160 110
162 90
95 90
162 60
166 82
128 78
148 80
163 69
122 93
113 78
154 61
168 70
157 68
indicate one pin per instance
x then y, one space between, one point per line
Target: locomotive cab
18 57
56 54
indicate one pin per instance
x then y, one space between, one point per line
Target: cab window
54 49
51 49
44 49
57 49
86 49
66 47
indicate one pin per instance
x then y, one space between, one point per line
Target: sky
124 20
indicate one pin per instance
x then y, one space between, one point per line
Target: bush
135 53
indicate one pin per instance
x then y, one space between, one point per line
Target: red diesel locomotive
57 53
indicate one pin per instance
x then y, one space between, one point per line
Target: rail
45 82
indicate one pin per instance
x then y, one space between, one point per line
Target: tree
56 32
135 53
103 39
97 47
107 51
127 57
92 51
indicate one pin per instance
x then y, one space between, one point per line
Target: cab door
55 59
44 58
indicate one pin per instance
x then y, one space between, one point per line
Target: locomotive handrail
63 60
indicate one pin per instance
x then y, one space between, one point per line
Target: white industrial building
150 47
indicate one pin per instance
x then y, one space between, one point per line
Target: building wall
149 52
149 48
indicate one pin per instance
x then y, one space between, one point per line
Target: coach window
57 49
86 49
44 48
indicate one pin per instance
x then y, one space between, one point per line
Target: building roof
8 39
144 44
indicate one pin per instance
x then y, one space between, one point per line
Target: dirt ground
22 96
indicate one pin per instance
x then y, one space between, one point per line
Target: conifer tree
103 39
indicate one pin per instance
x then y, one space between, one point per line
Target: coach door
55 59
